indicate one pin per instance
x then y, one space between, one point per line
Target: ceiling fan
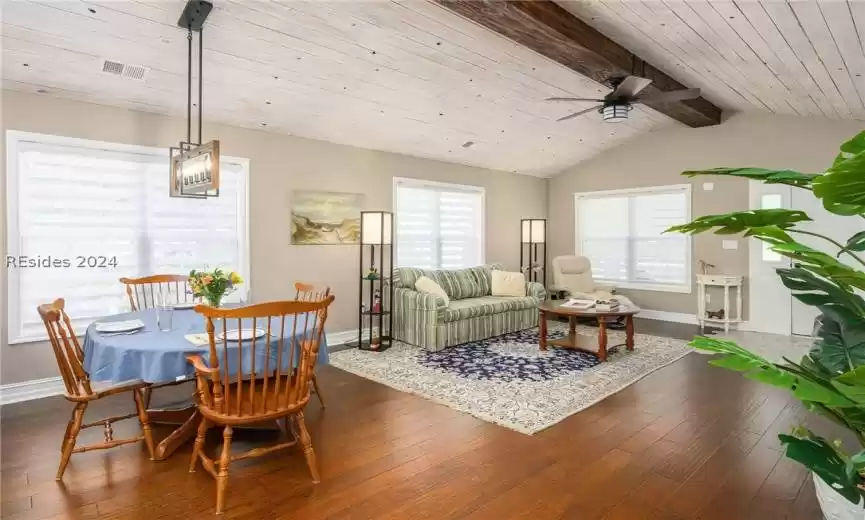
616 105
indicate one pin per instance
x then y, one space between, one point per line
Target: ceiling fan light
615 113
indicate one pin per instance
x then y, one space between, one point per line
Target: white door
770 303
833 226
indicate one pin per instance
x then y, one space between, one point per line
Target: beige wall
279 164
657 159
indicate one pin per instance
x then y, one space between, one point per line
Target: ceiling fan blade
573 99
581 112
630 87
668 97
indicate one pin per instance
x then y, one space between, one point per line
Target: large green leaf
823 264
842 187
790 177
856 242
852 385
755 367
854 146
840 343
741 221
818 291
853 377
818 455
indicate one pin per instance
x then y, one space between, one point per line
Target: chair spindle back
307 292
265 375
148 291
70 356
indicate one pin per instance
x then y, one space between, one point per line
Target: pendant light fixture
194 165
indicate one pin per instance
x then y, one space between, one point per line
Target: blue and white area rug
508 380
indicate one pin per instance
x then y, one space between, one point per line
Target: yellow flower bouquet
212 286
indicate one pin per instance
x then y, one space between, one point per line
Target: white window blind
438 226
621 232
76 207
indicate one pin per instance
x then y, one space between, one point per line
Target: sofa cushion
481 275
484 306
459 283
427 285
508 284
407 277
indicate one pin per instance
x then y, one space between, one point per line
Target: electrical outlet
708 298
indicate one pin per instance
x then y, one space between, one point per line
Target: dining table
158 356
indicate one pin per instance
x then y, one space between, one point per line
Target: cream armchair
573 274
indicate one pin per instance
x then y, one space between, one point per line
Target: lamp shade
534 231
376 227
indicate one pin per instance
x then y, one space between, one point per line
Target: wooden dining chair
273 385
145 292
306 292
81 391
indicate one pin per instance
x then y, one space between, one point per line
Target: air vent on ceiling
125 70
112 67
135 72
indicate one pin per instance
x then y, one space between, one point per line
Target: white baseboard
28 390
675 317
342 337
39 388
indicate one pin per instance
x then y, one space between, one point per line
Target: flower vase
214 301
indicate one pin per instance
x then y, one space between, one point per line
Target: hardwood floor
689 441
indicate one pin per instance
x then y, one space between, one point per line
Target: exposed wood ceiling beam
550 30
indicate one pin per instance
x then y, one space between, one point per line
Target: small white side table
728 282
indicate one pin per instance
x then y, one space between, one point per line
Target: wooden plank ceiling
408 77
799 57
413 77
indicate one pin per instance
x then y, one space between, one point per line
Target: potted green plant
830 379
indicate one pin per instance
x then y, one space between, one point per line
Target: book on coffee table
577 304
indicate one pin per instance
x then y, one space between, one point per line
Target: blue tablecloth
154 356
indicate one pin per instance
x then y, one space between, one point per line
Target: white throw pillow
508 284
427 285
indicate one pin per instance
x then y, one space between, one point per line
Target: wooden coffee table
574 341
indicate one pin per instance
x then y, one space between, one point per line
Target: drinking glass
164 312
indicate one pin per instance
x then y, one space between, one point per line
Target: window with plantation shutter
438 226
622 234
88 213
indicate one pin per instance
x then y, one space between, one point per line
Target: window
621 232
438 226
73 201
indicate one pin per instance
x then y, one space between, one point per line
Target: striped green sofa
473 314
